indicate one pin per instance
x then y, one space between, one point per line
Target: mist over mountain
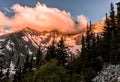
27 41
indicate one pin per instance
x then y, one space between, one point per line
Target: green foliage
27 77
50 72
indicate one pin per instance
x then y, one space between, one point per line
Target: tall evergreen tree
89 61
7 74
18 71
26 64
118 19
107 31
113 49
1 65
112 20
110 36
51 51
17 63
39 57
106 40
31 63
62 52
118 29
118 14
88 36
18 75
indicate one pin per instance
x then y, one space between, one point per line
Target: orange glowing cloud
42 18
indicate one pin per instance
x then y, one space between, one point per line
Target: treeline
60 65
102 48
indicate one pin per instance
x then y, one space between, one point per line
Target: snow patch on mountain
35 39
50 42
2 40
25 38
10 69
8 45
28 40
75 49
72 45
30 52
21 54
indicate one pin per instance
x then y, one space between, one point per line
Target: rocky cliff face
28 40
98 27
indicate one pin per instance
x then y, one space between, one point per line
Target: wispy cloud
42 18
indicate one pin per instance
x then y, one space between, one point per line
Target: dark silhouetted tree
62 53
39 57
51 51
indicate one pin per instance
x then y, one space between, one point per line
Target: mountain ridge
28 40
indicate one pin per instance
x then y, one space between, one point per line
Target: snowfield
11 70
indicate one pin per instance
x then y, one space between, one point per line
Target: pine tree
107 31
106 40
17 63
39 57
83 42
18 75
7 73
118 29
88 36
51 51
113 49
118 15
118 19
1 65
110 36
18 70
89 60
86 45
1 71
27 69
62 53
112 20
26 64
99 47
31 63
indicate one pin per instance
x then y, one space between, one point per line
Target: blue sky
94 10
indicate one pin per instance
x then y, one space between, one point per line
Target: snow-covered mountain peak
27 40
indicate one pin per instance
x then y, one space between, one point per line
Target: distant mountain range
27 41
